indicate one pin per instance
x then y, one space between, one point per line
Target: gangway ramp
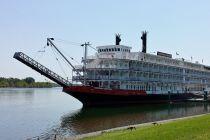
20 56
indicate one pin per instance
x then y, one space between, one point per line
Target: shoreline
97 133
27 87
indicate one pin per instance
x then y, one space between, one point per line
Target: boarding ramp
41 69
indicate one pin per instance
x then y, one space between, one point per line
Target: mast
49 42
85 45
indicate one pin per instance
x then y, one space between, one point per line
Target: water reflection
94 119
33 111
14 94
41 111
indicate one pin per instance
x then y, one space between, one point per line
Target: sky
181 26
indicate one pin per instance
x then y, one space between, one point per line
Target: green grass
197 128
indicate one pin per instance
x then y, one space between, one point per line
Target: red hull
93 90
91 96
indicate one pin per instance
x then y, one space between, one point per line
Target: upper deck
121 52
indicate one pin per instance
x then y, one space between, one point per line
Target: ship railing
41 69
91 57
77 67
78 77
150 58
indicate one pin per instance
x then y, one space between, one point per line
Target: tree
29 80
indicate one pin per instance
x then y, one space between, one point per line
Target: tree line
28 82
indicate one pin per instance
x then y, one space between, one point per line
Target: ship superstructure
116 67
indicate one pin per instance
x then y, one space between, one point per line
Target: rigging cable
69 57
40 51
68 42
65 61
59 62
73 43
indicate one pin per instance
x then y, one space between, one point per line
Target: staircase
41 69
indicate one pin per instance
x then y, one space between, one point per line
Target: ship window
112 49
115 49
109 50
118 49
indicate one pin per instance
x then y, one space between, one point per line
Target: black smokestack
118 39
144 41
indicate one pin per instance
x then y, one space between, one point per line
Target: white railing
139 56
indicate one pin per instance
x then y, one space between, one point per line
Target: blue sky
173 26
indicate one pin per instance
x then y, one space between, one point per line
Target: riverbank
28 82
192 127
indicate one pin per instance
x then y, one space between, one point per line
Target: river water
26 113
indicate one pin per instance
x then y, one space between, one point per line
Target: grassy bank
197 128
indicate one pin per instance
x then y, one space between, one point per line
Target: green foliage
28 82
197 128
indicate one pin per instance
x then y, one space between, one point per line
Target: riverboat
115 75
